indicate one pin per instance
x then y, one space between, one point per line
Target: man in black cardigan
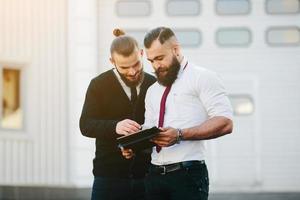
114 106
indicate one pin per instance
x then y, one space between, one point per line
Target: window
232 7
283 36
11 109
282 6
183 7
242 104
133 8
188 38
233 37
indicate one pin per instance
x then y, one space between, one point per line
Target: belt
164 169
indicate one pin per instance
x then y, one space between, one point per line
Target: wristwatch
179 135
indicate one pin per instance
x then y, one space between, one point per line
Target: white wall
33 37
263 153
61 45
82 62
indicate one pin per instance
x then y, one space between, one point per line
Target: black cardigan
106 104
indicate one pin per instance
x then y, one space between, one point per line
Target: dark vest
106 104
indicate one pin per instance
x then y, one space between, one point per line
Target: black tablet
139 140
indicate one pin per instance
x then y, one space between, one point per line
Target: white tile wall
33 35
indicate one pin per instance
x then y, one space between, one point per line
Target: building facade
50 49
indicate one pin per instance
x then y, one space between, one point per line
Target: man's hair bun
118 32
123 44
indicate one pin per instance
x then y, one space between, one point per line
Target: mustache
159 70
136 74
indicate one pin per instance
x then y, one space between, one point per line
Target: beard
133 83
171 73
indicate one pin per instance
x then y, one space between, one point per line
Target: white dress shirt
125 87
196 96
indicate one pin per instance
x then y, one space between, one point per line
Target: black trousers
118 189
189 183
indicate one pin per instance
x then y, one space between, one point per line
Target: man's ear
176 50
112 61
142 52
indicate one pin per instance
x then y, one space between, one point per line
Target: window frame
282 13
189 30
248 96
281 28
183 15
234 46
21 67
133 16
236 14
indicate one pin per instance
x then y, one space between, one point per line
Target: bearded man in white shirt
190 105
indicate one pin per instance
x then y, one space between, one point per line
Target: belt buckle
165 170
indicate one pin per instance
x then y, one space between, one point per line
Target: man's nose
131 71
156 65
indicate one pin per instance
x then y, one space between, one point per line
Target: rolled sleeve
214 96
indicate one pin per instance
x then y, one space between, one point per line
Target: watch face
180 134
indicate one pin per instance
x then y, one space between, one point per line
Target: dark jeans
118 188
189 183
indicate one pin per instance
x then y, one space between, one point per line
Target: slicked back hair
163 34
123 45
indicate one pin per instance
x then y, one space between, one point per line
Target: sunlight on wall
11 116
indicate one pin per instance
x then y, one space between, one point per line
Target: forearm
212 128
102 129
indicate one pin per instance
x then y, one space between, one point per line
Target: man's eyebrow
130 65
123 66
155 58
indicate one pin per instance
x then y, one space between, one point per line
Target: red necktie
163 108
162 111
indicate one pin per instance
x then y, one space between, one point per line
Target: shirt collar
182 66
